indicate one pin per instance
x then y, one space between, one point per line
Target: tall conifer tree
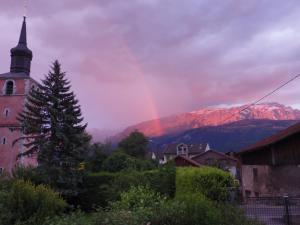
53 128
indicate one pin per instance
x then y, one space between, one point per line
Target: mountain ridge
211 117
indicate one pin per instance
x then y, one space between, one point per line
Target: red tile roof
188 160
292 130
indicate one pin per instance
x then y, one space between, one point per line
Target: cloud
135 60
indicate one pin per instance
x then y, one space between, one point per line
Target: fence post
287 212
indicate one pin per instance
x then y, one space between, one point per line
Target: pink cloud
133 61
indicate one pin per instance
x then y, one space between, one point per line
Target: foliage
104 187
211 182
120 161
138 197
234 215
135 144
26 204
76 218
52 127
27 174
96 155
186 210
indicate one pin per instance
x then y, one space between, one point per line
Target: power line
262 98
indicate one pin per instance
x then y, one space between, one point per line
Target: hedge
104 187
211 182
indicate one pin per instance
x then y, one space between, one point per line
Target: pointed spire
23 38
21 55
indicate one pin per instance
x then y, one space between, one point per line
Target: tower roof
23 38
21 55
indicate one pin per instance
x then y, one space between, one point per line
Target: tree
52 127
135 144
97 153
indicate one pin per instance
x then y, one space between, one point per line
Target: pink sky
135 60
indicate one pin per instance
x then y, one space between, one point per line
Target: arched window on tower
9 89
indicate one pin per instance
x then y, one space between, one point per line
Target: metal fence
273 210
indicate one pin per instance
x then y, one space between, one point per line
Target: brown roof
192 148
219 153
292 130
192 162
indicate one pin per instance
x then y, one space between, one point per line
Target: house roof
219 153
292 130
192 162
192 148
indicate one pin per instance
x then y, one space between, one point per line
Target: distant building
219 160
182 149
197 155
14 88
271 167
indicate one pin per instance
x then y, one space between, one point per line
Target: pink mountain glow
213 117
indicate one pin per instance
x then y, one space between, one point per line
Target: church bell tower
14 88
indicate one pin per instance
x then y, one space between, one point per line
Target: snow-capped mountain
213 117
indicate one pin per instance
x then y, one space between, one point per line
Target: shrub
137 198
211 182
28 204
103 187
120 161
135 207
76 218
27 174
186 210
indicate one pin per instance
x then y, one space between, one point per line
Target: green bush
27 174
120 161
137 198
26 204
135 207
211 182
186 210
104 187
76 218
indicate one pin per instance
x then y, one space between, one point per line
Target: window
9 89
4 141
182 149
6 112
255 175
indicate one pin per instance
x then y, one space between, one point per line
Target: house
201 155
187 150
271 167
220 160
15 86
183 161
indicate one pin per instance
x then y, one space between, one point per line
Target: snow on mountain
213 117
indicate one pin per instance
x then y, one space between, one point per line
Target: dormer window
9 87
182 149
